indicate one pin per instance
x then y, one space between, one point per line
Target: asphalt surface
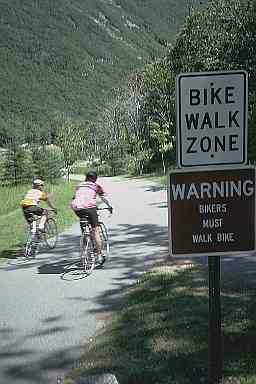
49 311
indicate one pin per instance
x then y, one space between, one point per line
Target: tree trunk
163 163
141 168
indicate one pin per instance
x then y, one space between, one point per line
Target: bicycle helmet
38 182
92 175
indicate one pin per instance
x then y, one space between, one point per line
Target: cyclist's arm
103 197
105 200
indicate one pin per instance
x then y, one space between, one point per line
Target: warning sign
212 118
212 212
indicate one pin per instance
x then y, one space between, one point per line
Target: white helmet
38 182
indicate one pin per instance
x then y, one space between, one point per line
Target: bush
79 170
17 167
49 163
104 170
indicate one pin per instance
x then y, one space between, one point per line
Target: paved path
46 315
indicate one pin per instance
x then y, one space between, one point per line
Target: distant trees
221 36
136 132
137 129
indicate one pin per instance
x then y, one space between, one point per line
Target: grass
160 335
12 223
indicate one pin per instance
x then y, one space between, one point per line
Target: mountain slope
61 58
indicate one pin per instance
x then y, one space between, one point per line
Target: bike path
47 316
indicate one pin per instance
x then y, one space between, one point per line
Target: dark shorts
32 210
90 213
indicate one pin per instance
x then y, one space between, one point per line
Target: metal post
215 338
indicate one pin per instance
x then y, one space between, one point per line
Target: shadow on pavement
47 260
43 370
136 248
12 253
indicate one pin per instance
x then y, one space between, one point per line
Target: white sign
212 118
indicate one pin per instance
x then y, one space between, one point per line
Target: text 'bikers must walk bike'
88 249
35 237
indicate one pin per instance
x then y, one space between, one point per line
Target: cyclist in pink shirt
84 204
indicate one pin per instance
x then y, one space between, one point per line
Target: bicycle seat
32 217
83 223
84 220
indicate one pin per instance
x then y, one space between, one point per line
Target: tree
18 166
162 136
159 90
221 36
71 142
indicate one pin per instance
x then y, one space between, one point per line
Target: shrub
49 163
17 167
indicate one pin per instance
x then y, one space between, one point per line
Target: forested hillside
60 59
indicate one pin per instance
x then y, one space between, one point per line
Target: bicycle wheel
87 254
105 242
51 233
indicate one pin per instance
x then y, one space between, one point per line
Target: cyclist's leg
94 221
29 213
44 215
82 214
32 242
98 240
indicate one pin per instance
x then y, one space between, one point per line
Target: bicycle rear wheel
105 242
87 254
51 233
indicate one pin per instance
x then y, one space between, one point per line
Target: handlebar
51 210
105 209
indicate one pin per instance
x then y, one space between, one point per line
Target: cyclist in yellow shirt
31 201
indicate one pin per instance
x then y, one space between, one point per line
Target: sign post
212 213
215 339
212 210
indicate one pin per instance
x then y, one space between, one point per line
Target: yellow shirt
33 197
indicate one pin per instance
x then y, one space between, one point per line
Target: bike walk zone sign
211 195
211 118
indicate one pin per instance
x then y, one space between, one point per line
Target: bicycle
88 245
35 237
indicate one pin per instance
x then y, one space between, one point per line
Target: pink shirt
85 195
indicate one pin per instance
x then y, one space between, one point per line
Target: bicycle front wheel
51 233
87 254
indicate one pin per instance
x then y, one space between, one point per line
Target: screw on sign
212 118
